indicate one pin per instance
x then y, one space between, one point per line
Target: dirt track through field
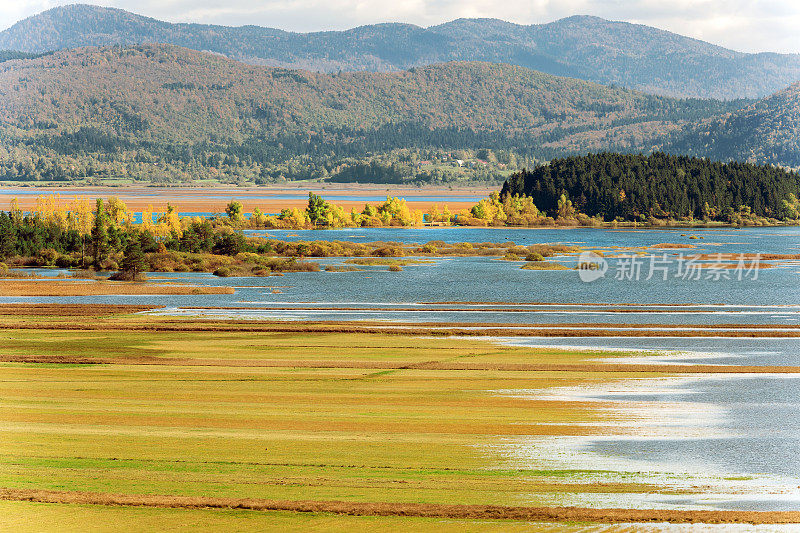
485 512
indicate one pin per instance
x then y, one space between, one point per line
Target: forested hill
588 48
161 112
8 55
634 186
766 132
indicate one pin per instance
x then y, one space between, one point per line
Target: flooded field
692 387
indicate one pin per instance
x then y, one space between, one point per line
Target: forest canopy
659 185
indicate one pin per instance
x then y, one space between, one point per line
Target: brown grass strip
400 365
62 310
515 309
323 327
13 287
745 257
672 246
423 510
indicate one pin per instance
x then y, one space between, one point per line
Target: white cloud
746 25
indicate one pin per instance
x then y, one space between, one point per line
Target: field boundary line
422 510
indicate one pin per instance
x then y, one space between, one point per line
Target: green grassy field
269 416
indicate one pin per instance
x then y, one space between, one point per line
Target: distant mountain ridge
149 109
583 47
768 131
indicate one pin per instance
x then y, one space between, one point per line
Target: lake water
766 296
712 425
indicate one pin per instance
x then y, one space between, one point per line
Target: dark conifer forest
659 185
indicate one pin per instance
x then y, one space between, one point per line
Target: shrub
247 257
342 268
429 249
533 256
388 251
47 257
395 268
108 265
127 276
67 261
223 272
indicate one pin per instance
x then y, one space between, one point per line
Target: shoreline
212 201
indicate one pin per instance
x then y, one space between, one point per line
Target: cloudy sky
746 25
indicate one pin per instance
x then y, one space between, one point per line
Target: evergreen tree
234 212
99 234
133 260
318 209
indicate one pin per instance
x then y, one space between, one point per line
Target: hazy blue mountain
589 48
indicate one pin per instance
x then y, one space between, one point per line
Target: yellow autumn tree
83 211
446 215
118 212
395 211
169 223
16 211
147 219
433 213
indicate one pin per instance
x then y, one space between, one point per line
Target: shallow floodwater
739 351
486 290
739 433
481 290
711 425
765 296
729 240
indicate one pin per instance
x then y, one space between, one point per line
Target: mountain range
163 112
588 48
164 107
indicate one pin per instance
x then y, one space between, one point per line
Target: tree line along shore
106 239
603 190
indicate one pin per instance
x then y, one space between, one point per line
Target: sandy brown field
67 287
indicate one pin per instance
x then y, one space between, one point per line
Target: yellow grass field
166 430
